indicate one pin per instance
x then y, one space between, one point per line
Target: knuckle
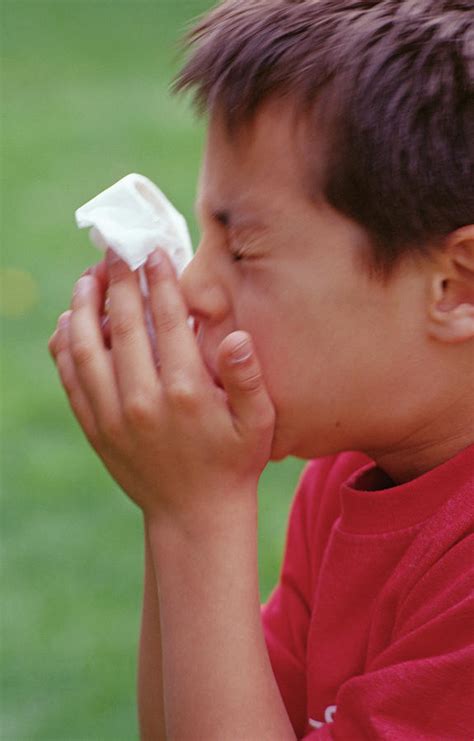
182 394
167 321
252 382
58 343
81 353
138 409
52 345
123 328
64 318
109 432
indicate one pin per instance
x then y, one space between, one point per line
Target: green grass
85 100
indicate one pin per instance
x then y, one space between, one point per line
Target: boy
333 293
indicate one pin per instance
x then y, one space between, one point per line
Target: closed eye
242 238
237 256
241 244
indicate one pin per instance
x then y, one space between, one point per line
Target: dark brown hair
399 77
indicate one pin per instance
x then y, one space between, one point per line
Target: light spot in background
19 292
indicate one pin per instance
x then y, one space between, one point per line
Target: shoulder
439 566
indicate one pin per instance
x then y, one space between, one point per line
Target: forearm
218 681
150 685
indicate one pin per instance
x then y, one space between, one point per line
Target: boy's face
337 348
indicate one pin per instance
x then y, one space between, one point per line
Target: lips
213 373
209 366
215 378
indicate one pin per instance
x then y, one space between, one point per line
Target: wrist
213 516
214 655
220 550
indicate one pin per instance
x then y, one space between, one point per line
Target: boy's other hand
177 443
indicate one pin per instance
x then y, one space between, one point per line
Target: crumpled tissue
133 217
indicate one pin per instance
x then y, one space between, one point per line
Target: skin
341 352
328 359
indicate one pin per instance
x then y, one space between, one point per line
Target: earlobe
454 325
451 305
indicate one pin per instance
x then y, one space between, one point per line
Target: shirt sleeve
418 680
422 685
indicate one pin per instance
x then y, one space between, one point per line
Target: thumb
242 378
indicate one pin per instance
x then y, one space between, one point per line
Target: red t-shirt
370 628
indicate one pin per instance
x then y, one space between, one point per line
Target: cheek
280 332
276 352
298 338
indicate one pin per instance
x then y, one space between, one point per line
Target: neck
414 458
434 433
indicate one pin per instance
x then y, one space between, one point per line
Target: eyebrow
228 218
222 216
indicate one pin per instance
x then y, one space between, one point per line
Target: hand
174 441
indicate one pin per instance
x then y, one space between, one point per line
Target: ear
451 307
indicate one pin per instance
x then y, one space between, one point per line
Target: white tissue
133 217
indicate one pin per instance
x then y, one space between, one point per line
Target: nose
203 290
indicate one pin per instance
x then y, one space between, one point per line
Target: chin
278 456
306 446
281 448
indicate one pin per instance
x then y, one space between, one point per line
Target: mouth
215 378
212 372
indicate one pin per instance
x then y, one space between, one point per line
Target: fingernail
111 257
82 286
155 260
63 320
241 353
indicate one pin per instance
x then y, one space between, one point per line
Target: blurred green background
85 101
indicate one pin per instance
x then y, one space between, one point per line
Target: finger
57 337
92 361
100 274
177 347
131 349
99 271
105 328
69 380
242 378
76 397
